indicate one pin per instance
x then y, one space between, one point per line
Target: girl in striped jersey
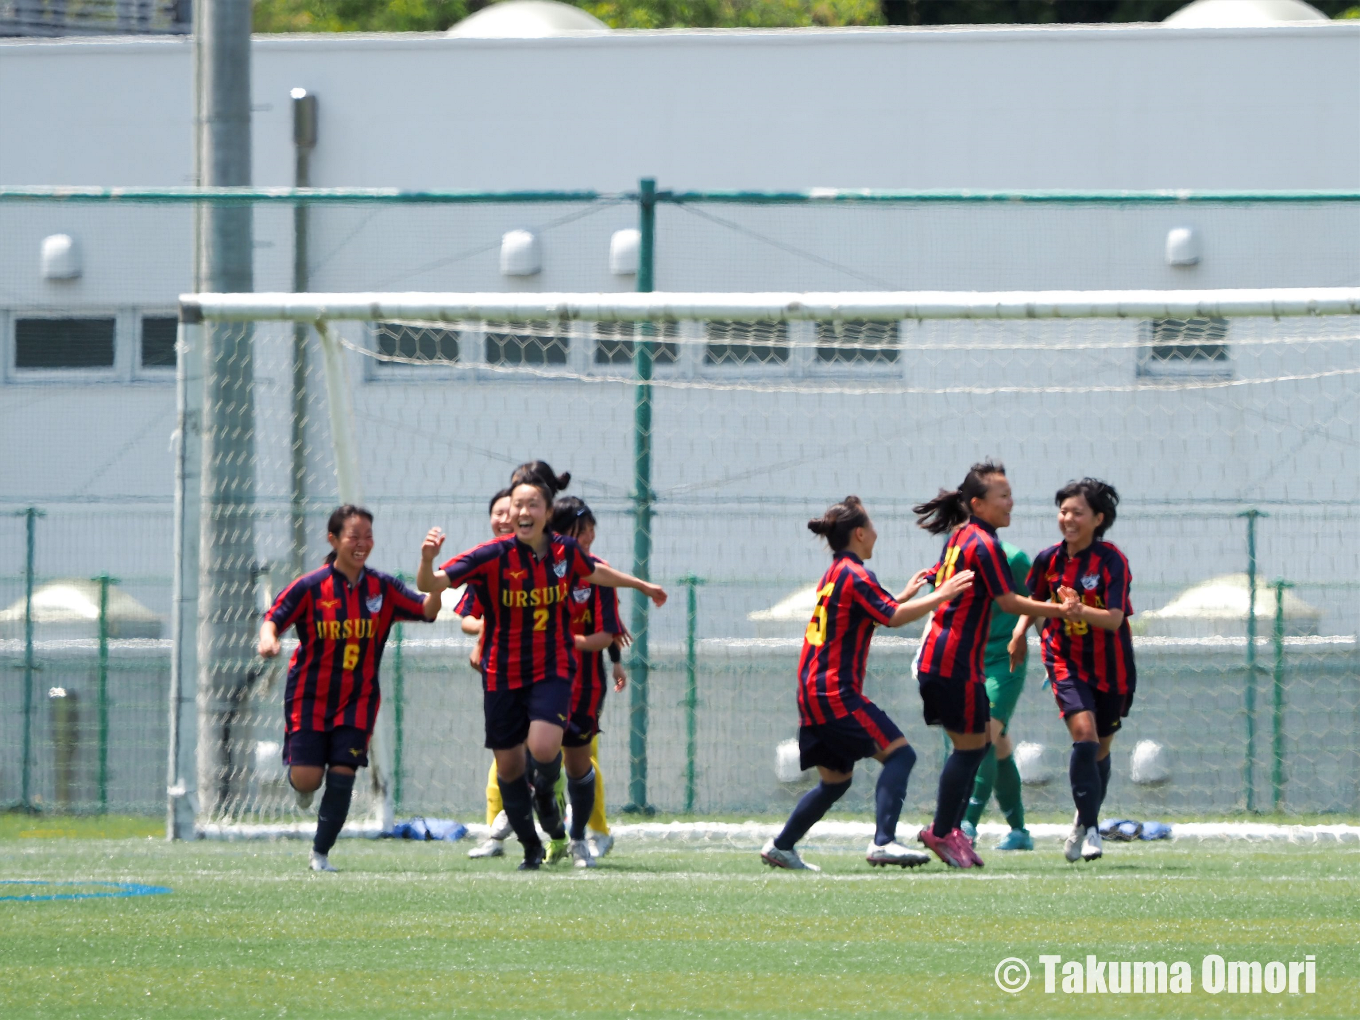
343 613
1089 652
838 724
528 656
951 671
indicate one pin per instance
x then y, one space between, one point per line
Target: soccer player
838 725
528 656
951 674
595 628
343 613
1089 652
1004 685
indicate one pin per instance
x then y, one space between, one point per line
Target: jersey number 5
816 629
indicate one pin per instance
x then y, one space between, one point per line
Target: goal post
1199 405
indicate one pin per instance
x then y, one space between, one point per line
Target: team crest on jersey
560 569
374 603
581 595
1089 581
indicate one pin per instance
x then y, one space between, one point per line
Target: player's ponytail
569 515
1100 496
541 474
949 509
839 522
336 525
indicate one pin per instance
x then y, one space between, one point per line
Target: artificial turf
418 930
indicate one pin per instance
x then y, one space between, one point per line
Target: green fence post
691 584
102 694
31 516
398 712
1277 704
642 510
1249 694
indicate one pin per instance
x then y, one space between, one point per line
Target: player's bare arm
269 640
427 578
611 578
914 610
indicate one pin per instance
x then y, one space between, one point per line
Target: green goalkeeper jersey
1003 624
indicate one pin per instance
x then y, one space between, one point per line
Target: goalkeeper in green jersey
997 771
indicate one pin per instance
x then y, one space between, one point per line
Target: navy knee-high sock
815 803
543 776
1103 767
891 792
956 783
581 793
1085 776
334 809
517 801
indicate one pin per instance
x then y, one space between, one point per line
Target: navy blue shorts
838 743
587 700
1109 707
960 706
508 713
344 745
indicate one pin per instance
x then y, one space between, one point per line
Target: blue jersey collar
981 524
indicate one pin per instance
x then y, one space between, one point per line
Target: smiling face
585 536
995 508
1078 522
528 514
353 545
500 517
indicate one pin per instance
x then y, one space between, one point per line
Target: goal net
704 429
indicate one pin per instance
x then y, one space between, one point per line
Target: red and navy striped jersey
527 635
341 629
955 643
850 603
594 610
469 604
1076 649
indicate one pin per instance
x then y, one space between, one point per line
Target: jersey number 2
816 629
540 619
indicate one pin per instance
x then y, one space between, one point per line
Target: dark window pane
856 343
535 343
63 343
614 343
418 343
1194 347
158 341
747 343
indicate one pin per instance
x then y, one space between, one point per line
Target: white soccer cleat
581 857
320 862
895 853
1072 845
600 843
789 859
304 799
488 848
501 829
1091 846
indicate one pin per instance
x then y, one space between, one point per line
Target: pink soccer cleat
944 848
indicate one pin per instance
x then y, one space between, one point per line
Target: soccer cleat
304 799
488 848
581 856
533 858
1016 839
789 859
601 843
964 846
1072 845
1091 847
557 850
943 848
501 829
895 853
320 862
969 830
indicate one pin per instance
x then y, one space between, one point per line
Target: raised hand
656 593
434 541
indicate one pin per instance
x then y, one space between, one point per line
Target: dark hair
1100 496
839 521
540 472
336 525
569 515
503 494
950 509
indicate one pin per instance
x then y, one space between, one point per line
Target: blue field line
108 890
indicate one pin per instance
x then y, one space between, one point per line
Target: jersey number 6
351 656
816 629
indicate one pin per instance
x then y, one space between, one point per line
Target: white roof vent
526 19
1243 13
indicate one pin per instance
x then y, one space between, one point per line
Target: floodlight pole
643 499
304 141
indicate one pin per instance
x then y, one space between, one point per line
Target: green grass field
417 930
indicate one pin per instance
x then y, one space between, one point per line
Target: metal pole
102 693
304 140
642 509
398 712
1249 695
691 584
31 516
1277 704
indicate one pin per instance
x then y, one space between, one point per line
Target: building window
159 333
747 343
64 343
416 343
1174 348
856 343
614 343
533 343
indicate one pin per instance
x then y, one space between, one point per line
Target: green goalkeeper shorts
1003 690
